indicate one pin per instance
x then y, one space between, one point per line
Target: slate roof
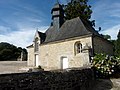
71 28
42 36
57 6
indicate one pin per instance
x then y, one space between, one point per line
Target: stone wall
102 46
65 80
51 54
31 56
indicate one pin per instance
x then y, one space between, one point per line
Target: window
36 45
78 47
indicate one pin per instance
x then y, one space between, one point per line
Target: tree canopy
118 36
117 45
78 8
9 51
108 37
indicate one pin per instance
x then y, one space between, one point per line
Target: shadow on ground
102 84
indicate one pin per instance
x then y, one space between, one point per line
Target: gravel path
116 84
20 66
12 66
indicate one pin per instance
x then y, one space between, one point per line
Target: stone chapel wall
102 46
50 54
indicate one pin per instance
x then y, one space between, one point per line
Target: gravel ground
116 84
12 66
21 66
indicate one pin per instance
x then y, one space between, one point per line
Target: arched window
36 45
78 47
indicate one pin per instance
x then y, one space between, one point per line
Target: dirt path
116 84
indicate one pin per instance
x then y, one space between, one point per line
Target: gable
36 35
41 36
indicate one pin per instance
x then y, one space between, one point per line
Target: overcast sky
19 19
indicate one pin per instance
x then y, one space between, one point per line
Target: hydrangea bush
105 65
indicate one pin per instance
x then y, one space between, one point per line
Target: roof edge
30 46
103 39
68 39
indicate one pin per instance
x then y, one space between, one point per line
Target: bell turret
57 16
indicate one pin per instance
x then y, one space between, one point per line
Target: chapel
66 43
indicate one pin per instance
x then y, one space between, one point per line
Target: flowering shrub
105 65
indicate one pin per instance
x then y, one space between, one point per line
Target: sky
19 19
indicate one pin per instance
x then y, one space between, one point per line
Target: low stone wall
44 80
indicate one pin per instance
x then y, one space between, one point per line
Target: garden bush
105 66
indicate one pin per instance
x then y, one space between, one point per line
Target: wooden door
36 60
64 63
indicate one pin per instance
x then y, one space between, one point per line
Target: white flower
110 73
112 65
112 70
98 67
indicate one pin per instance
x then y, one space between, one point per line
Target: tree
118 36
9 51
78 8
117 45
108 37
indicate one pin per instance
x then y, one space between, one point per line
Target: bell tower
57 16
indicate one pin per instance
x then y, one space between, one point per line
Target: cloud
34 20
115 13
105 8
113 31
21 38
21 13
107 16
63 1
21 19
4 29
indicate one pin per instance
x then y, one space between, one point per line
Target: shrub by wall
44 80
105 66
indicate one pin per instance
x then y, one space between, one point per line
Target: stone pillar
86 50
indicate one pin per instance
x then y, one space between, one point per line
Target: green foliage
117 45
118 36
108 37
78 8
9 51
105 65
